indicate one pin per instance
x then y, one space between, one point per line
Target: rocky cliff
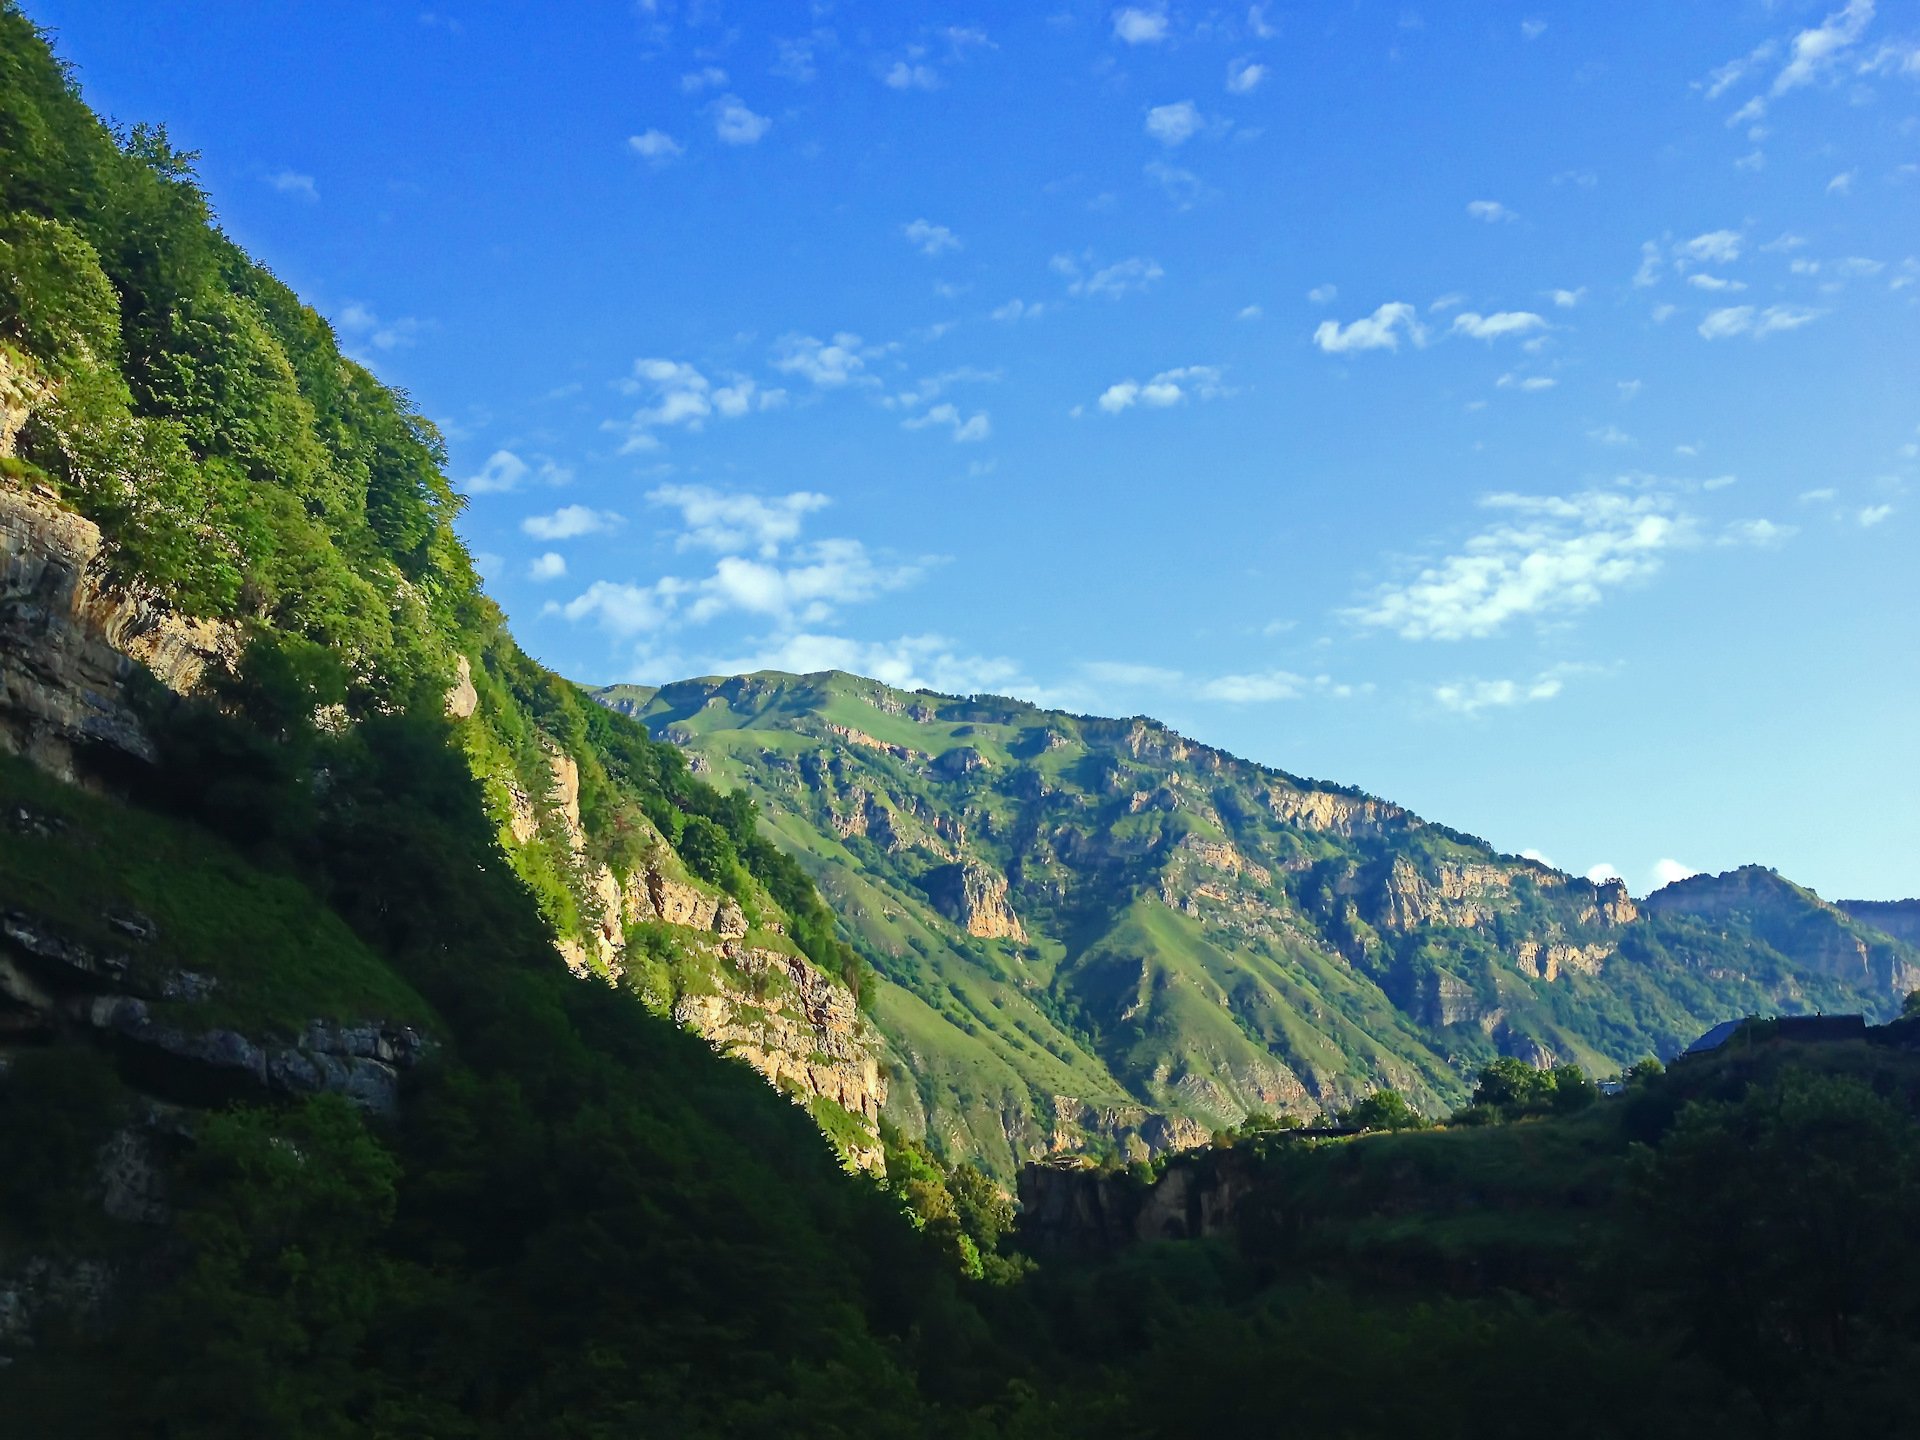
71 642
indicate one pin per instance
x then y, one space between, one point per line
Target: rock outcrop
975 899
1072 1208
52 984
71 642
796 1027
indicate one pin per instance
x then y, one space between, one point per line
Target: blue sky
1511 409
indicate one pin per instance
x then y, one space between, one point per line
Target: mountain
1898 918
1097 932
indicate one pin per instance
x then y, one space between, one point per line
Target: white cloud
291 182
1609 435
1895 57
1666 872
1169 387
503 471
710 77
1746 320
931 239
732 522
1701 280
1567 299
1842 184
827 363
1604 871
1259 688
1017 309
623 609
1734 71
1244 76
975 427
1495 327
365 327
1825 492
1137 26
678 394
1526 382
1650 263
1718 247
1378 331
1184 188
1815 51
1174 124
1468 697
570 522
1555 555
1873 514
1532 29
815 580
1761 534
1248 312
903 75
1538 858
1123 277
656 146
1492 212
735 124
911 662
550 566
1323 294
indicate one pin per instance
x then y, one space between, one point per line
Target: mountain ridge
1196 934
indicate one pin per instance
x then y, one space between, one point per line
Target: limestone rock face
1455 895
70 642
1550 961
802 1031
1336 814
462 698
975 899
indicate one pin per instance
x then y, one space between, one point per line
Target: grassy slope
279 955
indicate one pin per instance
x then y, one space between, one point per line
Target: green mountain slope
1097 930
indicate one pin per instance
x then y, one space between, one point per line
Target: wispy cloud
1469 697
734 522
292 182
570 522
1490 212
1379 331
964 429
1497 326
736 124
1123 277
656 147
1168 388
1244 76
1549 555
1137 25
1756 323
1175 124
828 364
930 239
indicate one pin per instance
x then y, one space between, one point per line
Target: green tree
1383 1110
